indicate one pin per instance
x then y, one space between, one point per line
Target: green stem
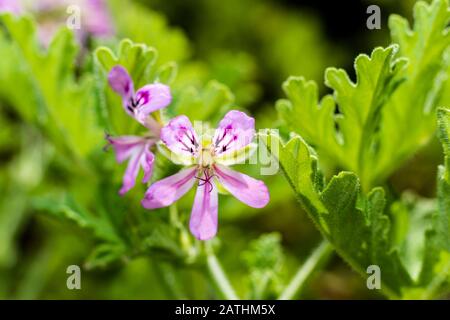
168 277
173 215
219 277
432 289
306 270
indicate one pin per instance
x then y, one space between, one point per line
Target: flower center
141 98
206 157
205 177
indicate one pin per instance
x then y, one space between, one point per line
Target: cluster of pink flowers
206 157
95 19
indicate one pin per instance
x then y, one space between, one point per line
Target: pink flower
94 16
207 159
12 6
136 149
97 18
140 104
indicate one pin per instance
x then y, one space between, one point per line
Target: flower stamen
206 180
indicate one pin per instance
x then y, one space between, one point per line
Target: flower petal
179 136
150 98
237 156
166 191
176 158
12 6
129 178
97 19
250 191
137 150
147 160
235 131
125 146
203 222
121 82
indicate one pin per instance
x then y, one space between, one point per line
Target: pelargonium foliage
383 119
338 153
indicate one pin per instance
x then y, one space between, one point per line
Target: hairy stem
306 270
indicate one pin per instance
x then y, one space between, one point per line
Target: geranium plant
69 99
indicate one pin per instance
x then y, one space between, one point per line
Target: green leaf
444 136
264 258
408 249
105 254
146 26
355 224
389 112
64 206
162 238
301 113
435 273
211 103
360 105
27 106
264 253
237 70
411 219
167 73
12 215
46 80
136 58
409 118
438 238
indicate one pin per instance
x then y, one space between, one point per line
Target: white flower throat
206 152
206 157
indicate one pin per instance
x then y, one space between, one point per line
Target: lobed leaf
388 113
210 103
358 226
359 104
45 90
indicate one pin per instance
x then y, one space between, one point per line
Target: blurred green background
251 46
